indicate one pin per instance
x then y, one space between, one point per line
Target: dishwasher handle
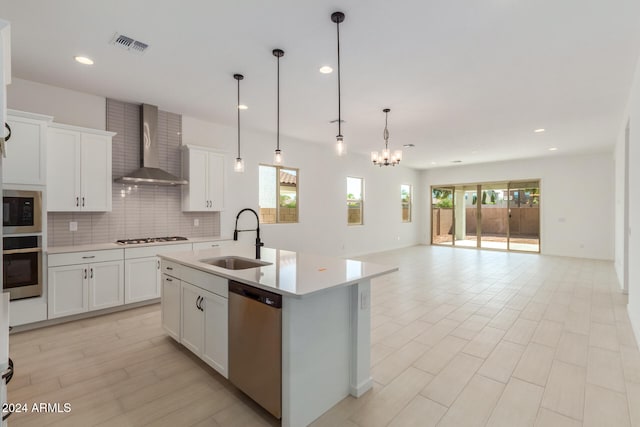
259 295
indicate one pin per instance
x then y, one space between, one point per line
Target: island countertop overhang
290 273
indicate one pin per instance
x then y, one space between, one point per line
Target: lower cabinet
141 281
171 305
79 288
204 326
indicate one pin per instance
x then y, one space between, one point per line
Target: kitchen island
326 317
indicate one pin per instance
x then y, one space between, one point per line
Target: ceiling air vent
129 44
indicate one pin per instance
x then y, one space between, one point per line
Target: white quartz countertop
288 273
103 246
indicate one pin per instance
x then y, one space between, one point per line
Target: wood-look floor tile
535 364
564 392
437 332
446 386
502 361
548 333
573 348
484 342
547 418
436 358
420 412
604 368
604 336
389 368
630 363
475 403
604 407
521 331
518 405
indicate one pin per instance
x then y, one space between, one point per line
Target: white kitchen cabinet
171 306
141 282
204 169
68 290
203 314
106 284
26 150
83 281
78 169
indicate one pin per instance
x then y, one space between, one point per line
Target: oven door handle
21 251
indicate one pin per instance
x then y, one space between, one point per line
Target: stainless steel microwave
21 211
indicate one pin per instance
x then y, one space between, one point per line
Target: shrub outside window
355 200
278 194
407 202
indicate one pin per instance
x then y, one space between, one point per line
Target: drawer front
213 244
72 258
206 281
149 251
171 268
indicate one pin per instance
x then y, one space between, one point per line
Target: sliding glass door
502 216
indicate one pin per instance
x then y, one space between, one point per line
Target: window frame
278 168
409 204
360 200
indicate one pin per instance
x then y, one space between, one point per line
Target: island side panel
316 354
361 380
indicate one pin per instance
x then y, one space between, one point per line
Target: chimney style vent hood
150 172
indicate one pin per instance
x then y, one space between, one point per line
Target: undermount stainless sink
234 262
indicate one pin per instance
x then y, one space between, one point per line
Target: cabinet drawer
71 258
213 244
172 268
149 251
206 281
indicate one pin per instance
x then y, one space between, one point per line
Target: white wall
66 106
633 115
577 201
322 193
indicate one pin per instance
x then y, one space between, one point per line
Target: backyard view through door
503 215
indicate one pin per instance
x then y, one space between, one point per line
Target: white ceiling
465 80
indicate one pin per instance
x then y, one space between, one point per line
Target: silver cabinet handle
169 268
83 202
91 276
168 279
85 273
158 264
88 257
77 201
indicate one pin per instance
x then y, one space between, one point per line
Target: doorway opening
500 215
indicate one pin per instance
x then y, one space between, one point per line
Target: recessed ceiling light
326 69
242 107
539 130
553 149
83 60
409 145
433 163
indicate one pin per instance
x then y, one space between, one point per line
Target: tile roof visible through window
287 178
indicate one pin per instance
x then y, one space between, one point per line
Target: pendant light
341 147
385 158
239 165
277 157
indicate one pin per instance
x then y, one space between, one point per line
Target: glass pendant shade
238 165
341 147
277 157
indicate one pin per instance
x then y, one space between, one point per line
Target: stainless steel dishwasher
255 344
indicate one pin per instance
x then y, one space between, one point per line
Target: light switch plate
73 226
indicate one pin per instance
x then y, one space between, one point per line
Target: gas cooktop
150 240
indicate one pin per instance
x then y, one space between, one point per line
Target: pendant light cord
339 93
238 108
278 109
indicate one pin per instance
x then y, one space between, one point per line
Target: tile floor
459 338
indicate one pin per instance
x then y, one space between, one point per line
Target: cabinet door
215 182
171 306
141 281
25 153
214 352
191 327
106 284
68 290
95 173
63 170
197 191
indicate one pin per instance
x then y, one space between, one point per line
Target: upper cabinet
204 169
25 162
78 169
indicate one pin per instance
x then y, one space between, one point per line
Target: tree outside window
354 200
278 194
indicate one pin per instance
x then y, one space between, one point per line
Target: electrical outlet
73 226
196 222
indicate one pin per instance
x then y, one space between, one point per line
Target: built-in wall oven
21 211
22 266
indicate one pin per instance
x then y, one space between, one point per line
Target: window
354 200
405 196
278 194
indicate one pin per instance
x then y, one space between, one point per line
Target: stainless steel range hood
150 172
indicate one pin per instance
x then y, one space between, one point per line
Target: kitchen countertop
103 246
289 273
